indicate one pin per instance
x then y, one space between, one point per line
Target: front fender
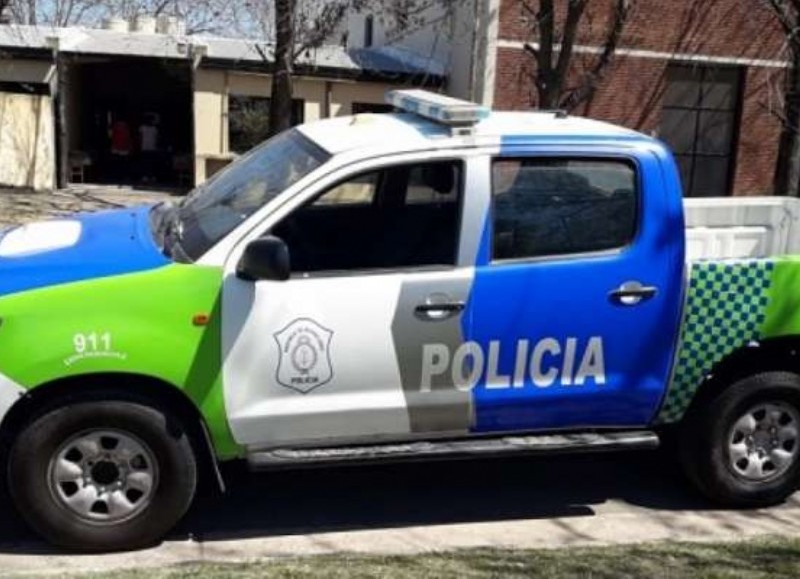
163 323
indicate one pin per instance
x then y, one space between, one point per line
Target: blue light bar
442 109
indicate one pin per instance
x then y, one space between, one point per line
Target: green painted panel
783 311
726 306
139 323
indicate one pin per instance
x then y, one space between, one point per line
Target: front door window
393 218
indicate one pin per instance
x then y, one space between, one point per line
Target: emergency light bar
442 109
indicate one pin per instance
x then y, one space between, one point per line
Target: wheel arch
770 354
145 389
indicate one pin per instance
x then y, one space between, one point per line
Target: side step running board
450 449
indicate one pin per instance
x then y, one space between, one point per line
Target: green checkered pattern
725 309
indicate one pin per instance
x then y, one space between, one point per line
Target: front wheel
102 475
743 447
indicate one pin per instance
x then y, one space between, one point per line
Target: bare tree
54 12
199 15
300 27
280 113
295 27
555 33
5 13
787 167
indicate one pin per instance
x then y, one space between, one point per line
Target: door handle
436 312
632 293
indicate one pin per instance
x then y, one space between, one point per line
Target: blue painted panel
563 298
111 243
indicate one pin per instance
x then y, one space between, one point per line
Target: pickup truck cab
440 282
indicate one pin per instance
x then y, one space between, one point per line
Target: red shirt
120 138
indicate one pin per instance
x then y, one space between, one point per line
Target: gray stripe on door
444 408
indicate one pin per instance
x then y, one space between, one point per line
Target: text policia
545 364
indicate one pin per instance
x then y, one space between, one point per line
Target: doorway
129 122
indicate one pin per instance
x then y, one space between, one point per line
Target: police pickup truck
444 281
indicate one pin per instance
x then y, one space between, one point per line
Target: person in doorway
121 145
148 148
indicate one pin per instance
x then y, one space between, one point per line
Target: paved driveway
520 502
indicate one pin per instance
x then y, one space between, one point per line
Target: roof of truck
409 131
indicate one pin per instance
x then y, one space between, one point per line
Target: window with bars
700 122
369 30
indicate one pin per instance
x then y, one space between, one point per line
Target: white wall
27 152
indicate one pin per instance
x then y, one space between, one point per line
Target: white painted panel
359 312
10 393
742 227
39 237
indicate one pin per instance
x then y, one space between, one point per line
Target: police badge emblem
304 361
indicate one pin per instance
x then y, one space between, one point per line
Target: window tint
375 220
429 184
547 207
358 191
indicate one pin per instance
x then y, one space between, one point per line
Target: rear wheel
743 447
102 475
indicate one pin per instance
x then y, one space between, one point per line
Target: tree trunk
548 88
280 114
31 12
787 168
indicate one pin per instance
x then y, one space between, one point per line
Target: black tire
704 444
36 497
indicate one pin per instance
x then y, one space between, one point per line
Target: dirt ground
21 206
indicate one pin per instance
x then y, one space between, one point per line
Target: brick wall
630 93
720 27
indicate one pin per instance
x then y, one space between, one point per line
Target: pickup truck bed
741 270
742 227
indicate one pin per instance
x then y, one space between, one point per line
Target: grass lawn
773 558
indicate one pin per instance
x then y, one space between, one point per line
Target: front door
576 301
334 355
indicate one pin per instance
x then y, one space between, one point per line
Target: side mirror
266 258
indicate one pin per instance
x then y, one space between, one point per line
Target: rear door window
560 206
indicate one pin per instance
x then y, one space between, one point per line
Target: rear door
576 300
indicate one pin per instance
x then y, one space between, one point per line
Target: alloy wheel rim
104 476
763 442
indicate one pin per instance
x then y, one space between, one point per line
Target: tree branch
781 11
545 20
590 81
575 10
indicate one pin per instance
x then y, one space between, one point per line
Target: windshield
217 207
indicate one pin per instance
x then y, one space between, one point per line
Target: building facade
138 107
706 76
